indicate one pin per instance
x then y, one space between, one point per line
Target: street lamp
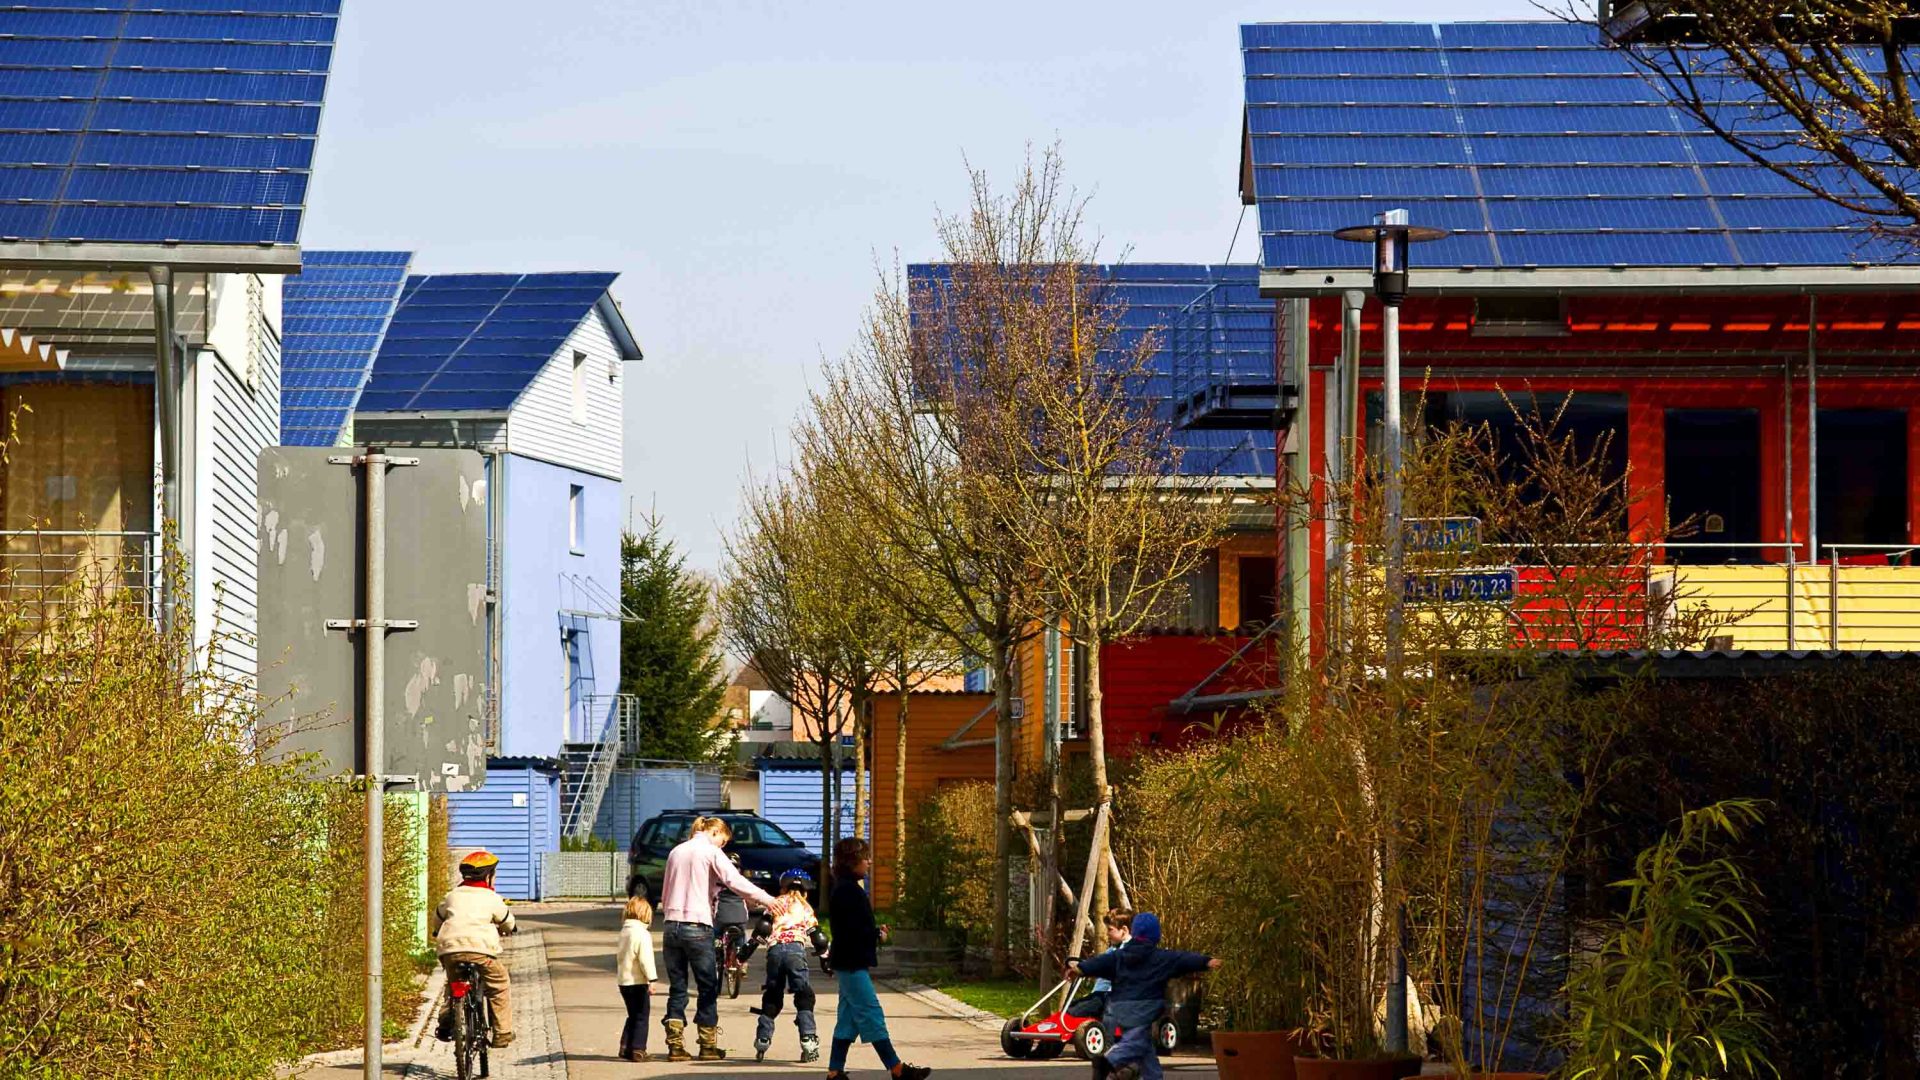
1391 236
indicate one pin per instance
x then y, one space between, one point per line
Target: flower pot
1256 1055
1306 1068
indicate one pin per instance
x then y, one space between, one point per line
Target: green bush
949 863
172 903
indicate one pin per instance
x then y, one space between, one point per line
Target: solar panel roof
160 121
1534 143
334 315
1195 313
474 342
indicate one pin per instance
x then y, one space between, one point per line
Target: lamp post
1391 236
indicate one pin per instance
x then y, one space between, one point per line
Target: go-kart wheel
1091 1040
1166 1035
1047 1051
1012 1045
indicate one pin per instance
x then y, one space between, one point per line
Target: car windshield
771 836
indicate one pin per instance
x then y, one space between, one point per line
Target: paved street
569 1016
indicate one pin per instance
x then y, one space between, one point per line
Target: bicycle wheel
734 977
462 1038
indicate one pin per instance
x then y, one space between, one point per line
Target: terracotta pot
1255 1055
1306 1068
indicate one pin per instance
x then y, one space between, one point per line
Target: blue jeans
787 971
1136 1048
689 947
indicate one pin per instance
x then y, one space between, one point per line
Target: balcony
47 568
1223 371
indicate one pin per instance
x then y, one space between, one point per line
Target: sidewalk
569 1013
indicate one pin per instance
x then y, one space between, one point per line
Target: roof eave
433 414
623 338
97 255
1307 281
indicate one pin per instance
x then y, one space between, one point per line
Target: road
569 1013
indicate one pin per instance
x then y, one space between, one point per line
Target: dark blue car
763 850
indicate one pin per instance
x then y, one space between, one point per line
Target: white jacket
471 918
634 964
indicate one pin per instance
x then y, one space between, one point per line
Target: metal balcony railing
50 567
1223 374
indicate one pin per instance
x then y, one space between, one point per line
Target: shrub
949 862
172 903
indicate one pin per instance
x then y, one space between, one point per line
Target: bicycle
726 954
472 1021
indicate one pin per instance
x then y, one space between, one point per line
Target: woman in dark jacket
856 940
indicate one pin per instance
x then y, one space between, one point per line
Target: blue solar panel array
1159 299
1534 143
334 314
160 121
474 342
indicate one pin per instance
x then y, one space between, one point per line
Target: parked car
764 850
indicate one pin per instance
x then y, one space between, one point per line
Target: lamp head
1390 236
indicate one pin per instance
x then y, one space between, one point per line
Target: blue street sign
1456 586
1460 534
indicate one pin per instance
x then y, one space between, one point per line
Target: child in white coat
634 965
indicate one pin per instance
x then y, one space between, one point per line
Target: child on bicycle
856 941
1140 970
729 921
472 918
634 966
1094 1006
787 937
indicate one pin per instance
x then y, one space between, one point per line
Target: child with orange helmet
472 918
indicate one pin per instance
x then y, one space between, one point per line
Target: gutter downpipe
1793 551
1345 434
168 393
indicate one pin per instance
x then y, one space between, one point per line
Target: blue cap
1146 927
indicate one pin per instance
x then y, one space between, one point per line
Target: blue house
526 369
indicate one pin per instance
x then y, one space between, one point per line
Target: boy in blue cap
1140 970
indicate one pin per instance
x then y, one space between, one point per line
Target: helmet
796 876
478 865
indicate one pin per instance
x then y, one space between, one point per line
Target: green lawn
1001 997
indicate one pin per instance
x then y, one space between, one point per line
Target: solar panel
334 314
1234 337
160 121
1538 145
475 342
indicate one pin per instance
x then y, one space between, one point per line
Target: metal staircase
594 742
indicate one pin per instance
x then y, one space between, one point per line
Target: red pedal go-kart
1045 1030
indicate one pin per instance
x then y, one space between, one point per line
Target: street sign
313 571
1457 586
1457 534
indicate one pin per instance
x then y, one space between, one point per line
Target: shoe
809 1051
1125 1072
501 1040
911 1072
710 1045
711 1053
760 1049
443 1031
635 1055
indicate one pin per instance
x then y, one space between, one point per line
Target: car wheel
1166 1035
1010 1044
1090 1041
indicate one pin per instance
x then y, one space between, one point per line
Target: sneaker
635 1055
911 1072
502 1040
443 1031
1125 1072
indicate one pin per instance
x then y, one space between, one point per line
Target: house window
579 388
1259 589
1863 478
576 518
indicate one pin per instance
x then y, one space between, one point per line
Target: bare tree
1818 91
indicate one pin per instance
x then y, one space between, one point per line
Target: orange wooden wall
932 718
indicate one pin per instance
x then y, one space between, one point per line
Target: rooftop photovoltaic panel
183 122
474 342
1184 309
334 314
1536 145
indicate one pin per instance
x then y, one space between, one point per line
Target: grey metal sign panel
312 571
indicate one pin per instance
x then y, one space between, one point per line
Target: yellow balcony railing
1807 606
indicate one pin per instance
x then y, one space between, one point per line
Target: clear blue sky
743 164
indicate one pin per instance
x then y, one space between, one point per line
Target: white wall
234 414
542 424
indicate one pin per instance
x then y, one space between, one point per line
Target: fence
583 875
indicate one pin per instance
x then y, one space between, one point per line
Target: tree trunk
1002 802
861 714
1097 749
1055 811
826 815
900 789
